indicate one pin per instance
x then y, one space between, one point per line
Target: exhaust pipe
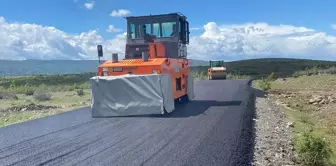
144 56
115 58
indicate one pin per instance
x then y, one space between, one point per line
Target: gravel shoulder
273 145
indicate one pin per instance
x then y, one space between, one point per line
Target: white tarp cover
131 95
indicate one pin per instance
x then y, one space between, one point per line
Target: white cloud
113 29
333 26
29 41
259 40
228 42
120 13
89 5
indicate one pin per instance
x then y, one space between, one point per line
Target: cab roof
169 15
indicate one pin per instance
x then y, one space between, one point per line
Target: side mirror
100 50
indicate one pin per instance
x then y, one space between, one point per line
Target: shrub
271 77
43 87
237 76
40 96
265 85
70 88
76 86
7 95
29 92
331 70
80 92
315 71
200 75
296 75
314 150
12 84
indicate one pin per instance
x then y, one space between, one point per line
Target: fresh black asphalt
215 128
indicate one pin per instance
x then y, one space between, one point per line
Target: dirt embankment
273 145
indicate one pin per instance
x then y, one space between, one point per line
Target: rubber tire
184 99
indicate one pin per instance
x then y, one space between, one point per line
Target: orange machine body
178 68
211 71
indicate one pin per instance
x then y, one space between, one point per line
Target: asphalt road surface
213 129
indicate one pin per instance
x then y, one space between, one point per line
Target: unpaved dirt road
213 129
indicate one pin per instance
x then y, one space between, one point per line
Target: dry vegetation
309 102
31 97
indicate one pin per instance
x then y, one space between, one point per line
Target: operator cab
172 30
217 63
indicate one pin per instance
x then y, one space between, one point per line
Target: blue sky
71 16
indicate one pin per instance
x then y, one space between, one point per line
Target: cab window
148 28
144 29
216 63
132 31
167 29
156 29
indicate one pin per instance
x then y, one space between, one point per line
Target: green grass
46 80
308 123
65 92
65 98
315 82
63 101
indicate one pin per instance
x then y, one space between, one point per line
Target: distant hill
33 67
282 67
255 67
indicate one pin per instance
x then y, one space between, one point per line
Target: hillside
255 67
282 67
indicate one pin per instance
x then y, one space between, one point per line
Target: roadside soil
309 102
273 145
292 107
